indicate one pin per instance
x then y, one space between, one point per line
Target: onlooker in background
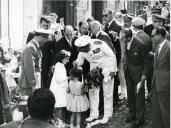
157 20
3 60
89 20
30 62
112 28
138 24
10 74
45 23
67 43
136 68
56 27
47 52
127 18
161 80
119 17
5 107
40 106
82 29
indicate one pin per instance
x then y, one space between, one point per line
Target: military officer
99 54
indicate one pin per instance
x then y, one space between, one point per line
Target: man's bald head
95 27
68 32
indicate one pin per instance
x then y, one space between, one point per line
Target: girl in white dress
59 83
77 101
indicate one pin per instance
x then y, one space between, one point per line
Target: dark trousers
45 79
2 114
115 92
149 79
160 109
101 101
136 102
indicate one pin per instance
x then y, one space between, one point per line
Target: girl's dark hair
76 72
61 55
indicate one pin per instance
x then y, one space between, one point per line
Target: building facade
19 17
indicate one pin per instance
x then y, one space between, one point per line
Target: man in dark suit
161 80
136 68
137 24
47 51
113 30
67 43
83 29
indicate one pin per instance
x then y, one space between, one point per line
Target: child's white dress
59 85
77 101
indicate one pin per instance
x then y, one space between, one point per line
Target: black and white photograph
84 63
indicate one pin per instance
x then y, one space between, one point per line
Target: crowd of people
132 52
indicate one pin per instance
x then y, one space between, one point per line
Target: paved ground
120 114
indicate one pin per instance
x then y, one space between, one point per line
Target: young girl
59 84
77 101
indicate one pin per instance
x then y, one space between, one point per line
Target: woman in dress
77 101
59 84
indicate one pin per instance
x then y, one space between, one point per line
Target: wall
18 18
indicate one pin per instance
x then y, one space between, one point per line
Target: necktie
70 43
93 37
107 28
157 52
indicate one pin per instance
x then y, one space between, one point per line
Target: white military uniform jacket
100 55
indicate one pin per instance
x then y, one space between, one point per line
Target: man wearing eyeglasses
31 62
112 28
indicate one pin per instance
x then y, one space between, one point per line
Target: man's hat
138 21
83 41
46 18
43 31
128 16
156 11
158 17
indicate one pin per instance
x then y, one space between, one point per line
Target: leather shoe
129 119
91 118
104 120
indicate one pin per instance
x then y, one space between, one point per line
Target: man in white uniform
99 54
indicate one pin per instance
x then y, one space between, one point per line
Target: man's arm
28 60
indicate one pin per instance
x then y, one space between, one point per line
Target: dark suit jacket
148 29
62 44
106 38
116 43
146 39
161 76
136 62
